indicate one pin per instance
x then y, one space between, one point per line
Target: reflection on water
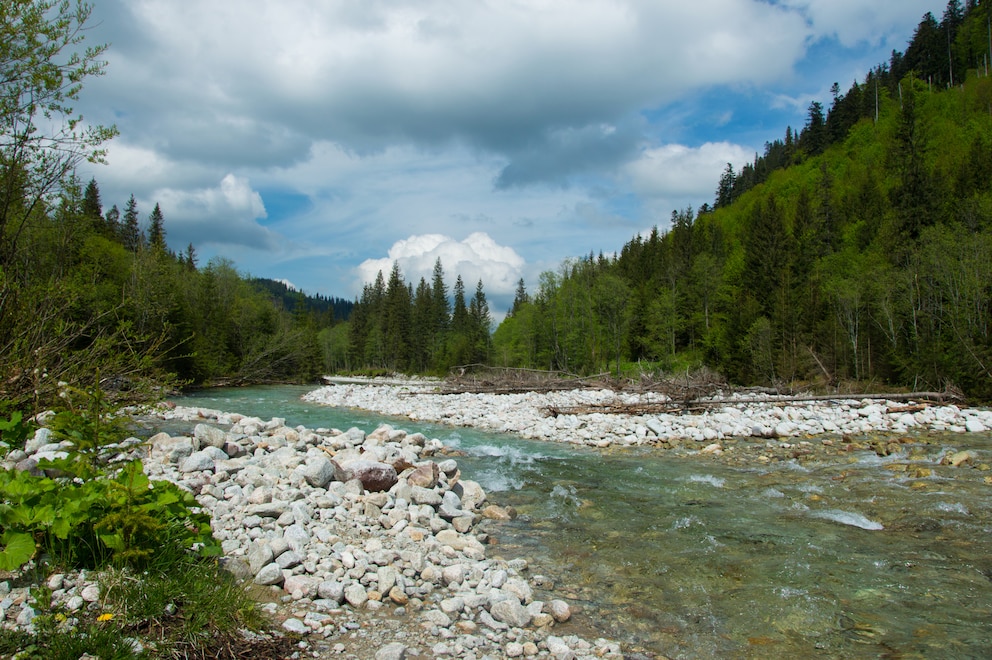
691 558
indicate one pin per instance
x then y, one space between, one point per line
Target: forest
856 249
88 289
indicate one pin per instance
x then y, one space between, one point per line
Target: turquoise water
692 558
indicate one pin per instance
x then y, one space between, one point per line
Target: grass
179 605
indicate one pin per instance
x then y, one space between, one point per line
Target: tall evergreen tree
112 223
440 312
725 189
813 139
156 230
481 325
520 298
397 320
459 314
131 231
92 208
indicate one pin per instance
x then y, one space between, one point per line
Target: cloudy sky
319 141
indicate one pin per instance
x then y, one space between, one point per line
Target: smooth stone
560 610
318 471
391 651
973 425
356 595
296 626
270 574
331 590
209 436
424 476
198 461
511 612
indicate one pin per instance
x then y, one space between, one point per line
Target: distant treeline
328 309
396 327
89 291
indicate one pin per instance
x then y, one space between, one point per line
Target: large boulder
375 476
209 436
424 475
471 494
318 471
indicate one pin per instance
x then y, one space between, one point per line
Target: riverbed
689 555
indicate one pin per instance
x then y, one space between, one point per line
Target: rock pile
342 522
746 417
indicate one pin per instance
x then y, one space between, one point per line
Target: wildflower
106 616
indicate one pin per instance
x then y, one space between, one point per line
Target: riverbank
737 429
370 541
363 544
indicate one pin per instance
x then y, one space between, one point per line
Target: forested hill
858 248
329 308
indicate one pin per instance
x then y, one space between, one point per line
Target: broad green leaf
18 548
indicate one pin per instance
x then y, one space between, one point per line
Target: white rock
269 574
198 461
356 595
974 426
296 626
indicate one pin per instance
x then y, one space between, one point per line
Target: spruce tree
440 314
520 298
156 230
92 209
130 231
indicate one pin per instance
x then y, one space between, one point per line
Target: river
690 557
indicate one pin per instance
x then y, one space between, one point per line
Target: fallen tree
681 393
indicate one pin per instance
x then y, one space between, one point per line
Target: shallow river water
690 557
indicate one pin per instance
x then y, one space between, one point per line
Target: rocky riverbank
367 545
737 429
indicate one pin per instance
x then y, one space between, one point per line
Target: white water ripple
848 518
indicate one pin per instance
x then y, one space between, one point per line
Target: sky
320 142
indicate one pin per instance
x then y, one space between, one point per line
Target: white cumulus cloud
477 257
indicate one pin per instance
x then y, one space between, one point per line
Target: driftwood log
696 405
689 392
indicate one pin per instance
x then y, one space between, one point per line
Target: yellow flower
60 617
106 616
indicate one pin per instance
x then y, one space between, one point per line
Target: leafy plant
14 430
87 513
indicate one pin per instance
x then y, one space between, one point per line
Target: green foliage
85 512
81 291
14 430
53 640
394 327
190 599
180 604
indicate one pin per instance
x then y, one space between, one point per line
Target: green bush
86 513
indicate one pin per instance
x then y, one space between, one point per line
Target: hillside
857 249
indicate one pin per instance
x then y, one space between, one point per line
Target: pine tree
156 230
521 298
397 320
459 314
725 189
189 258
112 221
481 325
131 232
813 139
92 209
440 313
